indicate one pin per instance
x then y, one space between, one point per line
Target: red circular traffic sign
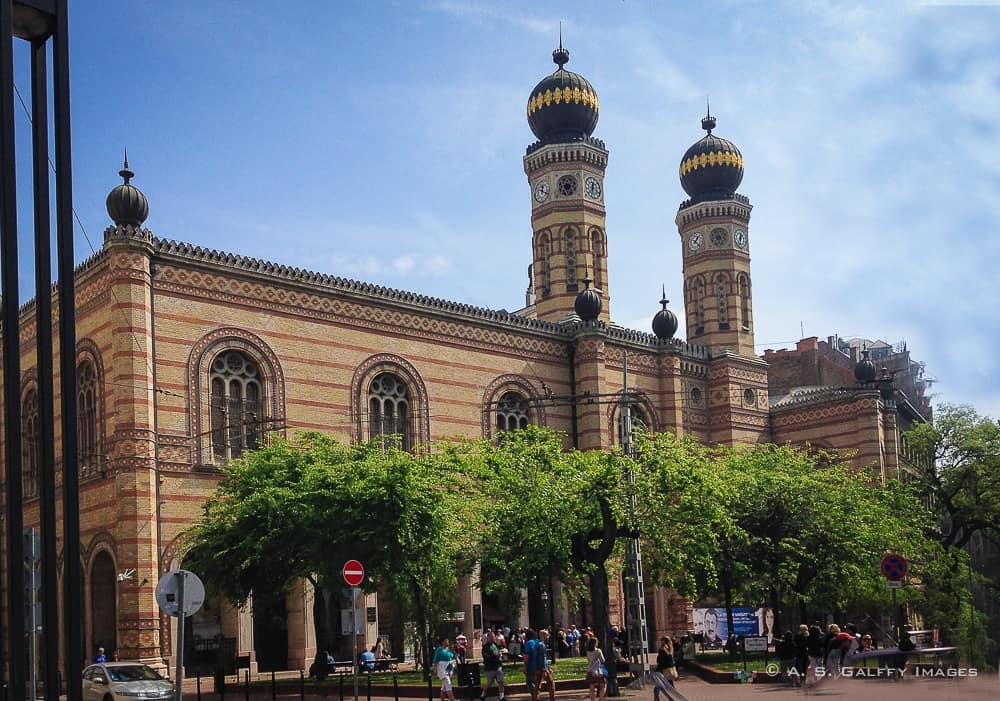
354 573
894 567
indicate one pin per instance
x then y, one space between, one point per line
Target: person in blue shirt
368 660
543 673
443 663
100 656
528 654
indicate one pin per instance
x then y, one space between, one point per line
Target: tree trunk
320 627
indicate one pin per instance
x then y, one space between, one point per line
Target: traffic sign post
354 575
894 568
180 594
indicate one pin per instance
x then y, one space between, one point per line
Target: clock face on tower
696 241
719 237
541 191
740 238
593 188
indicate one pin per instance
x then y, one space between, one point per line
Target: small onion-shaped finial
588 303
665 321
864 371
126 203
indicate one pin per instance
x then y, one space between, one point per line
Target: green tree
552 513
955 468
301 509
772 519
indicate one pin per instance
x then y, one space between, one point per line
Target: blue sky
383 141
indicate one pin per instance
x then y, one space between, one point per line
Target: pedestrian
461 647
814 646
543 673
666 665
100 656
493 665
801 654
444 664
785 650
528 654
597 671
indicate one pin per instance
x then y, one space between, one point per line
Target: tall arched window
599 256
699 304
512 412
745 302
87 418
237 405
571 285
389 409
31 447
721 295
640 421
545 261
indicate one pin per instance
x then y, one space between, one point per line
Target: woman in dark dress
801 654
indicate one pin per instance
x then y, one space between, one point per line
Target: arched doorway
103 603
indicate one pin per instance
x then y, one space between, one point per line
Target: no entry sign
354 573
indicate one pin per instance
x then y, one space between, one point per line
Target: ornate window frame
368 370
31 449
92 465
643 404
199 383
501 386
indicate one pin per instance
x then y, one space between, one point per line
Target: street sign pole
354 636
895 616
178 694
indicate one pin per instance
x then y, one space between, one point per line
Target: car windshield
133 673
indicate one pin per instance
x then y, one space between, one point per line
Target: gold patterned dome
713 167
563 107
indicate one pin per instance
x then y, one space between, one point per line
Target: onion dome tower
563 106
712 168
565 169
864 371
588 303
713 226
664 321
126 203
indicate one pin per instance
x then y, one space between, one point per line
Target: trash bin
469 676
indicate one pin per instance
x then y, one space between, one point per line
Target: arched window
721 295
512 412
599 256
744 283
545 263
237 402
640 421
87 417
571 285
31 446
699 305
389 409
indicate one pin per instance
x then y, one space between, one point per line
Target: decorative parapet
128 232
806 396
691 211
424 303
588 150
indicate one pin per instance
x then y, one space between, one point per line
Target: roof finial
125 172
708 123
663 300
560 56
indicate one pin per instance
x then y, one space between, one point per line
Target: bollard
246 686
302 685
274 688
197 679
369 685
341 686
395 686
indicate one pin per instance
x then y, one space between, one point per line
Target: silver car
124 681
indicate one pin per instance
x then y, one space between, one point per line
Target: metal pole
72 569
895 617
9 293
354 636
179 675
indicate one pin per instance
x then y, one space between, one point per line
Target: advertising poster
711 623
